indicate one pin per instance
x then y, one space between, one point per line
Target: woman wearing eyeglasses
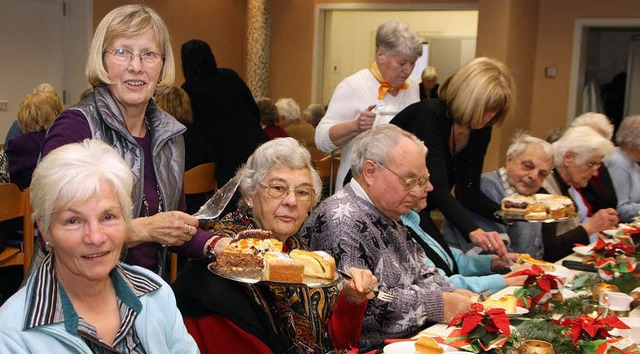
278 188
130 59
578 155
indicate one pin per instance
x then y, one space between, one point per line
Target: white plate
409 347
519 312
610 232
583 250
561 272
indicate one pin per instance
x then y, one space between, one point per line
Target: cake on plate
427 345
279 267
317 264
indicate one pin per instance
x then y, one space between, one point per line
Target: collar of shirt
508 188
48 303
359 191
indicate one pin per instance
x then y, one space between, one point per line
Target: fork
381 295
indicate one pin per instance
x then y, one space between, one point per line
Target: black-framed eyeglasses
594 165
411 182
121 55
281 190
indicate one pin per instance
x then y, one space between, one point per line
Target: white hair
73 173
396 38
596 121
584 142
628 135
289 109
521 141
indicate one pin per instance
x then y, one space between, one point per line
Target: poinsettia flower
594 328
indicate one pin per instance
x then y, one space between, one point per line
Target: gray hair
521 141
628 135
582 141
596 121
376 143
73 173
289 109
280 152
313 113
396 38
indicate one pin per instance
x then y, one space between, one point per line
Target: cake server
212 209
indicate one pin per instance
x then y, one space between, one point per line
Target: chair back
328 169
15 203
200 179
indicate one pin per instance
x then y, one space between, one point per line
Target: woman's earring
49 246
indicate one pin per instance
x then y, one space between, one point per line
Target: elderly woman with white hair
577 156
624 169
82 299
372 96
296 127
600 192
278 188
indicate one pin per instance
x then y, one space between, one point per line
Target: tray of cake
536 208
254 256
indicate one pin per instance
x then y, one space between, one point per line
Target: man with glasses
360 226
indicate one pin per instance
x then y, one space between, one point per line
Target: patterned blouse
300 315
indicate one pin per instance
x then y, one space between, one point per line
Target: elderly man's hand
357 289
489 241
171 228
454 303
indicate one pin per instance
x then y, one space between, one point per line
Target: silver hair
376 143
583 142
313 113
396 38
628 135
289 109
73 173
521 141
596 121
280 152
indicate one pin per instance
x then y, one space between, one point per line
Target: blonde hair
429 73
128 21
480 86
38 110
176 102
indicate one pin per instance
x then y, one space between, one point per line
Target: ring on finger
189 229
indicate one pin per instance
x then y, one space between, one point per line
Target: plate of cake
255 256
536 208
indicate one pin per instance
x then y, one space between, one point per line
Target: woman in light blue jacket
81 299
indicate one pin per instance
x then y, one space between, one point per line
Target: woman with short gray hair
577 156
624 169
372 96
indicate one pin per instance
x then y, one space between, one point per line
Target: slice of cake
507 302
244 255
535 211
525 258
318 264
279 267
555 210
427 345
514 206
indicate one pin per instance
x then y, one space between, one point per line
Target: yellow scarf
384 86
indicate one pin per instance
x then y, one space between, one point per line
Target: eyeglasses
280 190
594 165
409 183
125 56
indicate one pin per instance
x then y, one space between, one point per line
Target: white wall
350 37
40 45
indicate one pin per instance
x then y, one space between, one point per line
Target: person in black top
457 130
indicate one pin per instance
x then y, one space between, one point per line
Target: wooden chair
200 179
328 169
15 203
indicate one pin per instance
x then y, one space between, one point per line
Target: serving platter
520 218
309 282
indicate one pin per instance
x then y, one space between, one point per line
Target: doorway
604 77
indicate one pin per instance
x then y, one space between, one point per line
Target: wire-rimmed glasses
125 56
411 182
281 190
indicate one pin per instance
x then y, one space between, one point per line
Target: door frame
576 80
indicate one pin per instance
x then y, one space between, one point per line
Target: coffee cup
615 301
533 346
599 288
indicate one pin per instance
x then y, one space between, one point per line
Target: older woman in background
270 118
37 111
371 96
130 60
624 169
313 113
278 188
457 130
577 156
81 299
429 86
296 127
